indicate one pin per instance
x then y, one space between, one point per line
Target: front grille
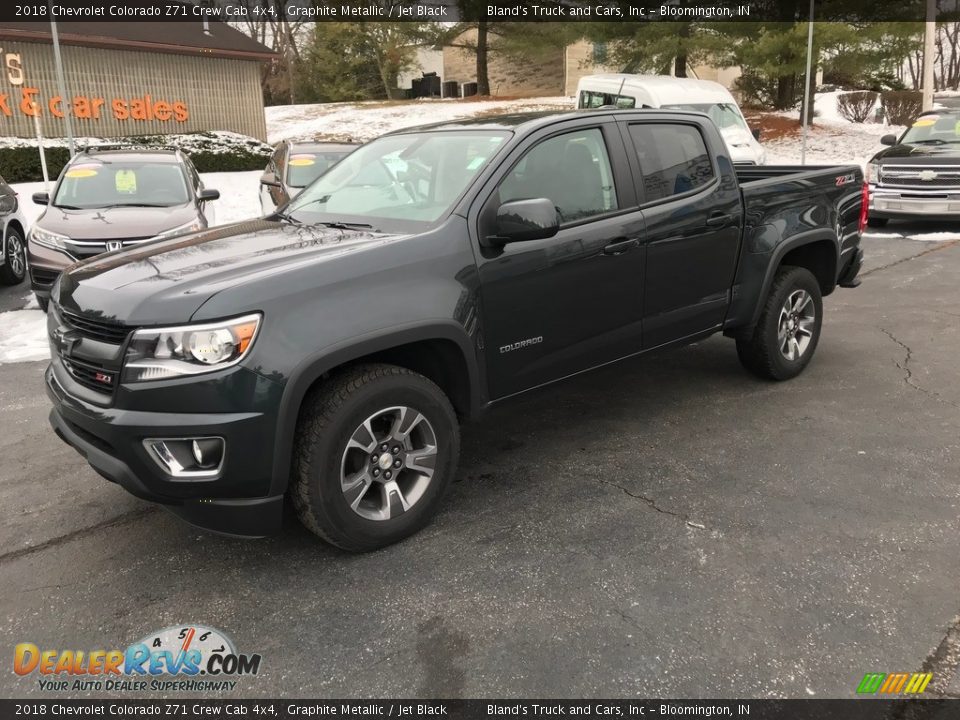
43 277
91 376
83 249
113 333
921 177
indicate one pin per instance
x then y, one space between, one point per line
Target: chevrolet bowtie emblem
927 175
66 341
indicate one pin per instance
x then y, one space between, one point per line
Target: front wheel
787 332
376 448
14 269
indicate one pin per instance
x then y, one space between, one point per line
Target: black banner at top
857 11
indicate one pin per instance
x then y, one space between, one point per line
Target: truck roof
523 123
658 89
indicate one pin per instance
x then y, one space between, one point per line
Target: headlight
159 353
873 172
48 239
194 224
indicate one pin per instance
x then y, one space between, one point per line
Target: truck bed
747 174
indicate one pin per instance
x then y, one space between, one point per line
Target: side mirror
41 198
756 133
208 194
522 220
888 140
268 178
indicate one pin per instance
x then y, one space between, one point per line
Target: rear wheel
877 222
376 448
14 269
787 332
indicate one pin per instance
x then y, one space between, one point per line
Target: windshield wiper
928 141
116 205
338 225
68 207
288 218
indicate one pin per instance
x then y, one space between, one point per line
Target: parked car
622 90
110 198
295 165
325 353
13 244
918 176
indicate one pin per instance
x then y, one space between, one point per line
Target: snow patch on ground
365 121
219 141
24 336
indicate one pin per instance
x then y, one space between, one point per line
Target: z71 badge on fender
521 344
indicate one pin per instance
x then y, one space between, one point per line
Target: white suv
13 244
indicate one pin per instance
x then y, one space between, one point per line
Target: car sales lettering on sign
29 101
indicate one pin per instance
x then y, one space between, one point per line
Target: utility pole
807 89
928 38
61 82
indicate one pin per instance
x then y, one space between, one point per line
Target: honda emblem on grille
114 245
927 175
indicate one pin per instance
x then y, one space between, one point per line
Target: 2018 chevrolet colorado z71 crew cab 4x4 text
324 353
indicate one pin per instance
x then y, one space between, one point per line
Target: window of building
673 159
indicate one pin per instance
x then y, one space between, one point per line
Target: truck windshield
414 177
110 183
724 115
934 129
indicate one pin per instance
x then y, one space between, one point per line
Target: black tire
15 256
761 353
877 222
329 417
44 303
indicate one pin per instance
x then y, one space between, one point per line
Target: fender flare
316 365
776 256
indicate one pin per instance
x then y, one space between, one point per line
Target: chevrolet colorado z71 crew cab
325 353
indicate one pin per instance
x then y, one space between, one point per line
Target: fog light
208 452
188 459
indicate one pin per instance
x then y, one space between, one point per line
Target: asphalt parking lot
668 526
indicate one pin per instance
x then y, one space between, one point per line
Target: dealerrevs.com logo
188 658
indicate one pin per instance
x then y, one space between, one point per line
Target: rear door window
673 159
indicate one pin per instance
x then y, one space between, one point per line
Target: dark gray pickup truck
324 354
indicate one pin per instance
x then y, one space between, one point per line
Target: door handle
719 220
618 247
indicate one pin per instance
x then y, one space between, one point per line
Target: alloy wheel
797 322
16 255
388 463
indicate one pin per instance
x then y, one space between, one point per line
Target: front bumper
110 439
888 203
45 266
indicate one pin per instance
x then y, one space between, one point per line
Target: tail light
864 206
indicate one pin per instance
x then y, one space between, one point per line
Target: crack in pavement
908 373
653 504
936 248
943 661
76 534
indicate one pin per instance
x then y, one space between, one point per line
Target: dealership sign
29 101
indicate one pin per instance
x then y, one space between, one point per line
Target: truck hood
168 280
115 223
906 153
